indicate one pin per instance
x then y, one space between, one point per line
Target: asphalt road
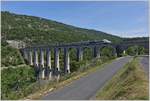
145 64
87 86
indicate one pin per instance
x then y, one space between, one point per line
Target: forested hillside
39 30
35 30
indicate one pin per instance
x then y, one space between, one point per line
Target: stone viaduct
34 55
40 56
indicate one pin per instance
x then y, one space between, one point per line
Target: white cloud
139 32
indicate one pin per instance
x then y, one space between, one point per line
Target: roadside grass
130 83
66 80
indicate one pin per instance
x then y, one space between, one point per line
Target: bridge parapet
71 45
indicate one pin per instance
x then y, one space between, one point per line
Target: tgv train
106 41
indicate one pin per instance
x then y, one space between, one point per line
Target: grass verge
130 83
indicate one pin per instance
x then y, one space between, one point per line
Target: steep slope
39 30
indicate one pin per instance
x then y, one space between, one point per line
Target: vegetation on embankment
16 82
10 56
130 83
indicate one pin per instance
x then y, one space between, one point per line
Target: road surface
145 64
87 86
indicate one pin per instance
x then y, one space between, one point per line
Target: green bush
75 65
135 50
15 80
107 53
141 50
10 56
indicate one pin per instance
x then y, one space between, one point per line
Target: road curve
145 64
86 87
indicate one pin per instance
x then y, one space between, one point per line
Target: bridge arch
111 48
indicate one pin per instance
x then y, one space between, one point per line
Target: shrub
10 56
14 80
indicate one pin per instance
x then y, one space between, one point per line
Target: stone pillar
56 59
25 54
66 61
124 52
48 63
96 52
35 58
36 64
56 63
114 52
79 54
42 63
30 58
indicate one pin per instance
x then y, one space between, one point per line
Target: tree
131 50
107 51
141 50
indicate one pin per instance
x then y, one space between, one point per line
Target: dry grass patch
130 83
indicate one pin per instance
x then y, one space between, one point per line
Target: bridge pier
25 54
66 60
124 52
56 60
35 58
42 64
48 64
114 52
36 64
79 53
96 52
30 58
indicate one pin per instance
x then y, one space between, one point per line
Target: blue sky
125 19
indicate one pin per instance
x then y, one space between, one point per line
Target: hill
38 30
136 39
